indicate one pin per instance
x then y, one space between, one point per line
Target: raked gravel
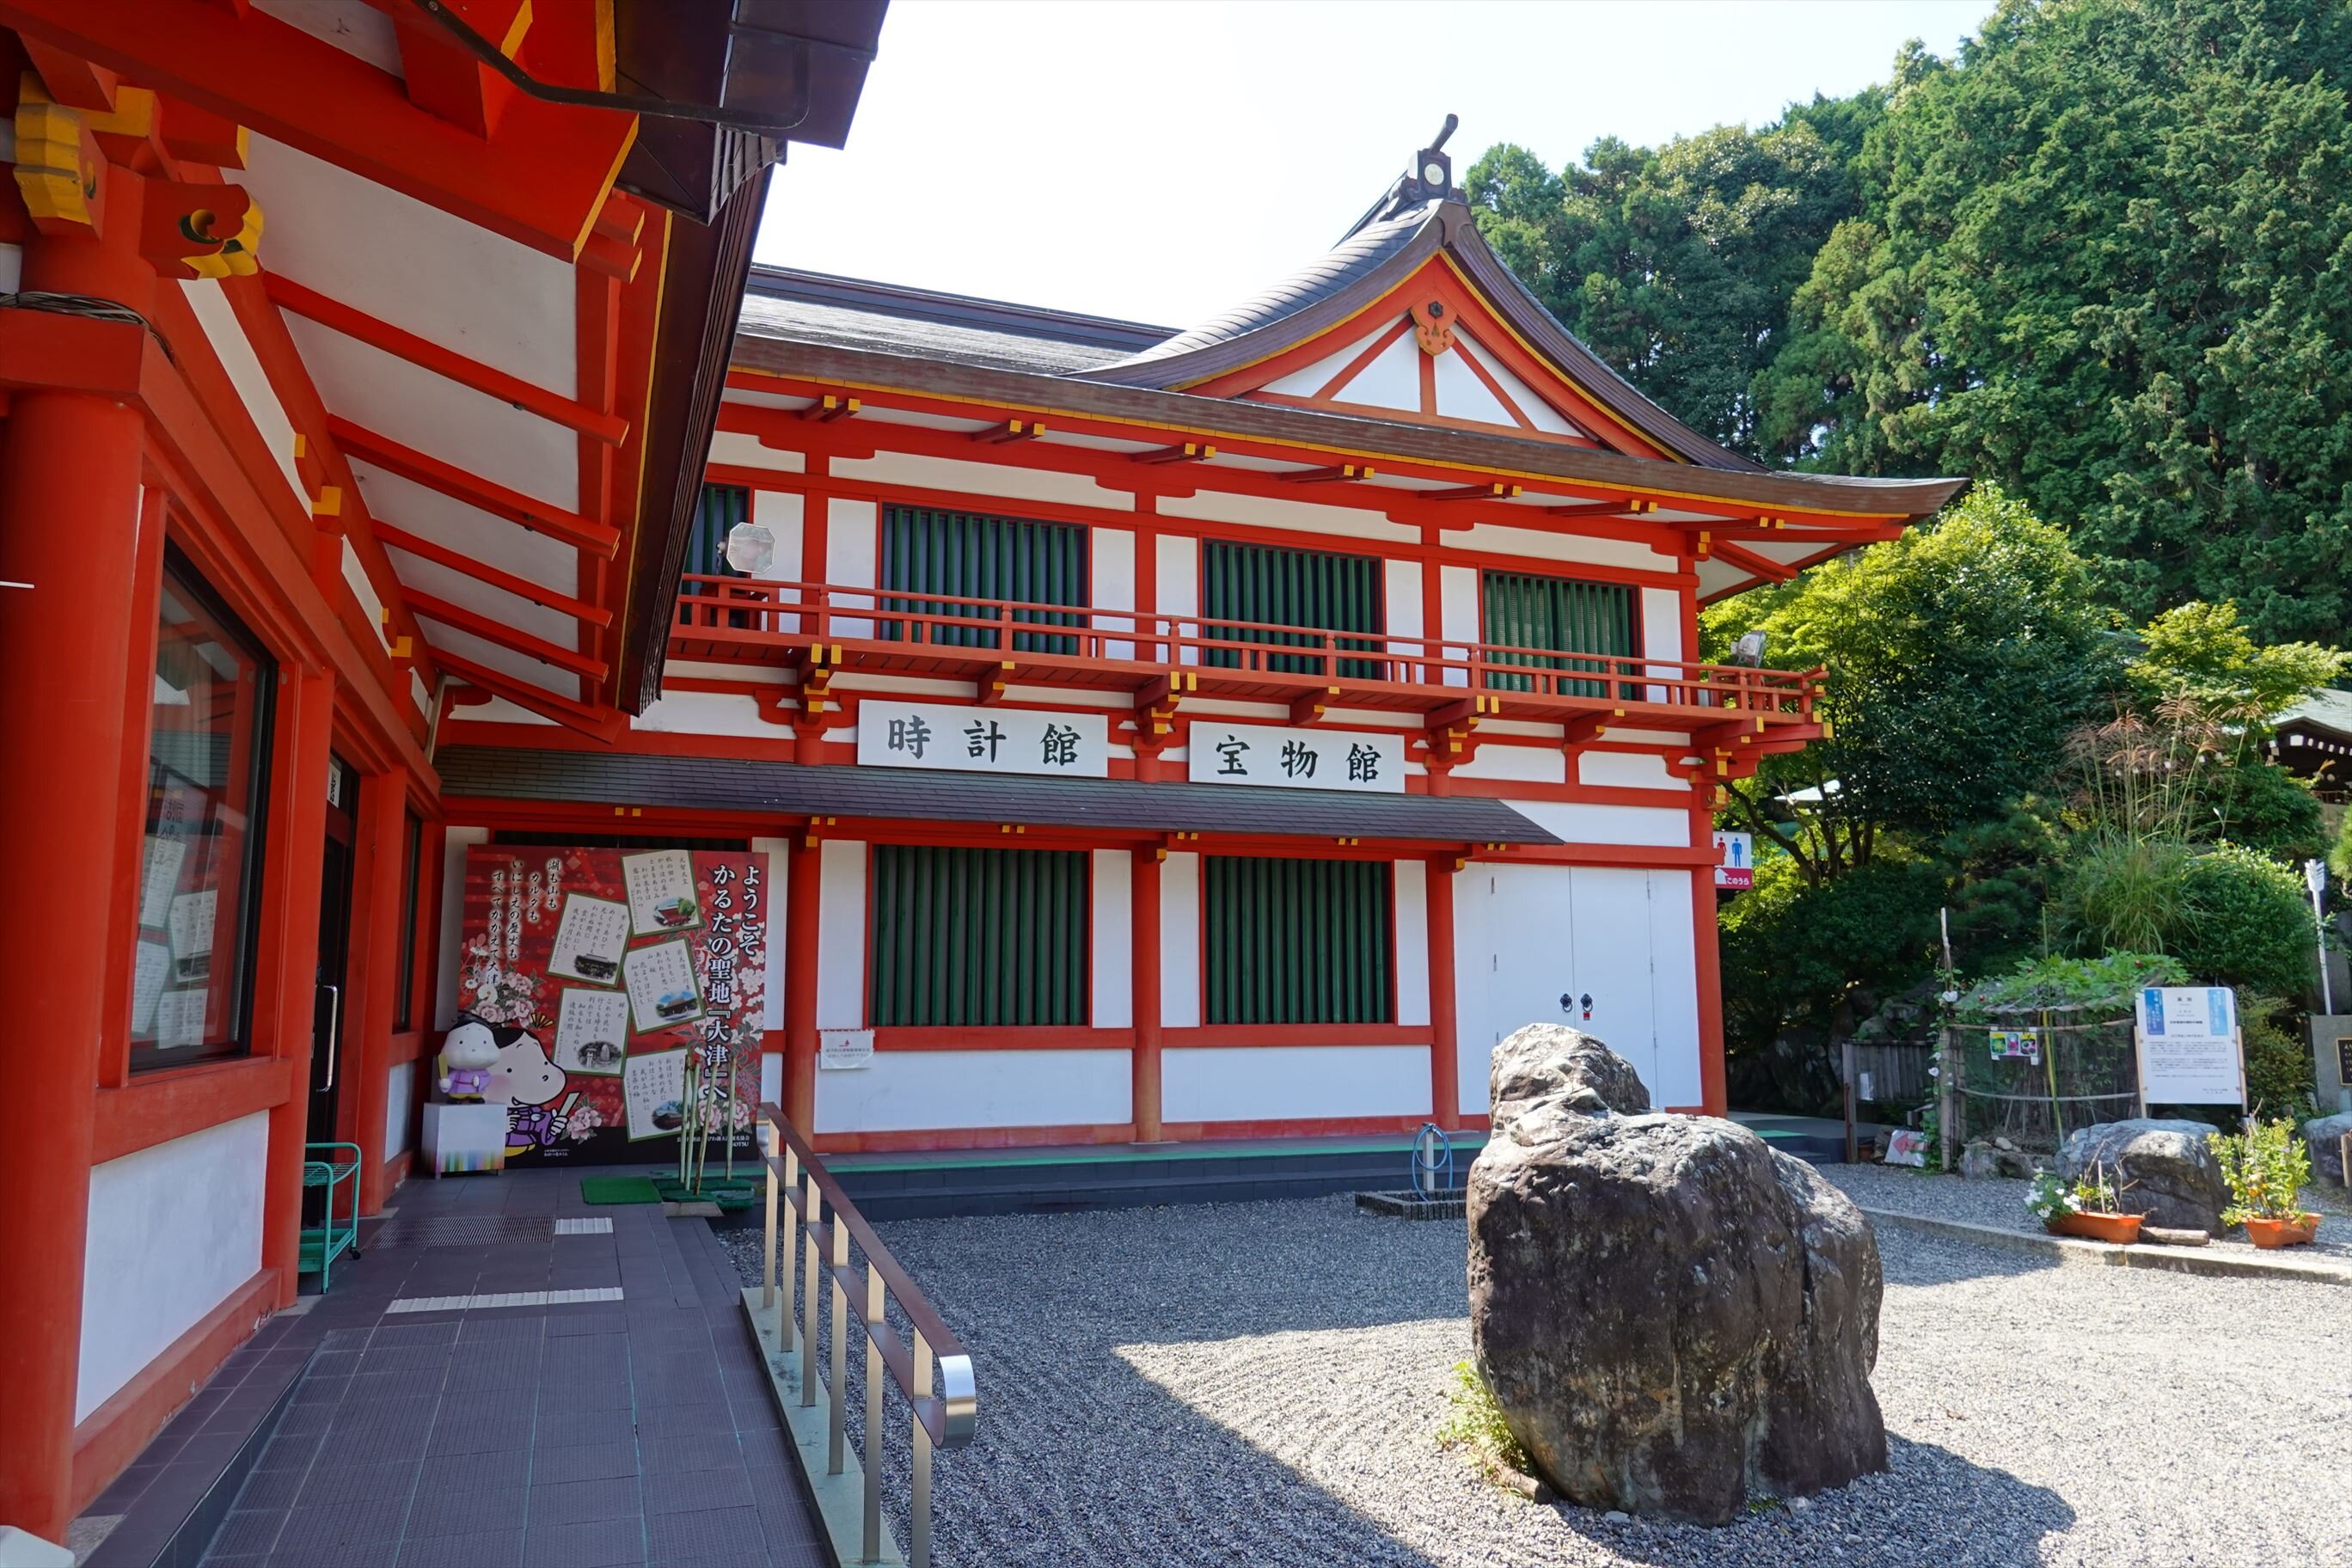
1262 1383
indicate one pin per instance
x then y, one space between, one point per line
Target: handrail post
768 1250
808 1292
792 1234
876 1302
836 1424
918 1483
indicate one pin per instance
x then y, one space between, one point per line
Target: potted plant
2266 1168
2084 1207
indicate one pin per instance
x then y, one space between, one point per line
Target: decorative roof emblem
1433 326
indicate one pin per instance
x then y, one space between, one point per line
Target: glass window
403 1003
200 870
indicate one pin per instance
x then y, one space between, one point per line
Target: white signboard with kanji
1367 761
964 738
2188 1054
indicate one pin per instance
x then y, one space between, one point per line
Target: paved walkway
508 1376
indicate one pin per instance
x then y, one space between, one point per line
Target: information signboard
2188 1042
1735 859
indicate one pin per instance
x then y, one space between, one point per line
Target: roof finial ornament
1432 171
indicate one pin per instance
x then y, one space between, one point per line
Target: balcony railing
810 1216
744 619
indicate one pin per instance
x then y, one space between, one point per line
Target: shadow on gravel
1914 1257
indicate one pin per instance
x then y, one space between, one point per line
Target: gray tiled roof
1324 276
789 789
813 321
2326 709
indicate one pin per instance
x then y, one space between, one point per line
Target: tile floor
570 1433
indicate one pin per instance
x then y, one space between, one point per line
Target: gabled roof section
1406 286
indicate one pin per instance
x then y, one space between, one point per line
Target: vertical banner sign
2187 1040
601 971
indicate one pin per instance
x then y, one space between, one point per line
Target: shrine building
441 575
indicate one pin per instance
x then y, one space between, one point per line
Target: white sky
1035 149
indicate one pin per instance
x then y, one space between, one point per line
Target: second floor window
935 563
1249 592
715 516
1525 611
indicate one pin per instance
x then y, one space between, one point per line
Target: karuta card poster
616 963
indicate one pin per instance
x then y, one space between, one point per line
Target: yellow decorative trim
328 503
55 175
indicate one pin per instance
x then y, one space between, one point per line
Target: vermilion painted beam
491 630
521 587
444 79
472 488
541 178
598 724
1763 566
401 343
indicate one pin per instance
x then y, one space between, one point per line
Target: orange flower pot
2276 1233
2120 1228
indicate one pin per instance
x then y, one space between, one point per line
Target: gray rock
1981 1162
1551 1062
2165 1170
1673 1316
2324 1138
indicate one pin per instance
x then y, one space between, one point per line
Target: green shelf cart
336 1168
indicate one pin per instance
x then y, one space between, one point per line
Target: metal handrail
933 1372
753 611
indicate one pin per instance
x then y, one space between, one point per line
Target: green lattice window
1525 611
980 937
963 556
1298 941
1315 590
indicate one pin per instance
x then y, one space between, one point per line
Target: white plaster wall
173 1230
738 450
1541 414
453 919
706 713
399 1100
981 479
1311 379
1575 824
1299 516
1391 381
901 1092
781 513
1180 941
841 941
1266 1083
1457 609
1496 539
778 852
1111 554
1673 987
1412 941
362 588
850 548
1113 917
1401 596
1625 770
1533 764
227 337
771 1079
1662 623
1176 580
1461 395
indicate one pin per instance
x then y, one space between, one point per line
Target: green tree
2204 652
1960 657
1676 264
2106 258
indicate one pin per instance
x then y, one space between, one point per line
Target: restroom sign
1735 861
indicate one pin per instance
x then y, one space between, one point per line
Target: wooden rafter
521 587
424 353
493 630
473 490
603 724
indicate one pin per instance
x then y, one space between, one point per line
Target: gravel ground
1262 1383
1998 1202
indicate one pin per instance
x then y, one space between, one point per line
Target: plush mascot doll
466 1057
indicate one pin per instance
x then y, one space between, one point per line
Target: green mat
728 1195
619 1190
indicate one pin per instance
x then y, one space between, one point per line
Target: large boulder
2163 1169
2324 1138
1673 1317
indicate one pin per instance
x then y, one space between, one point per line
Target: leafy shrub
2262 807
2123 893
2267 1169
2278 1065
2059 983
1475 1424
2246 923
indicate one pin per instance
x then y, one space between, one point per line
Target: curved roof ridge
1336 273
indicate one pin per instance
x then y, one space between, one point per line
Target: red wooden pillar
289 984
69 468
381 878
1707 961
1445 1057
801 912
69 520
1144 988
